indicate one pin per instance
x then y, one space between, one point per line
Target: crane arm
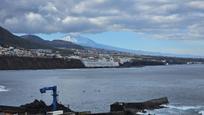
54 89
43 90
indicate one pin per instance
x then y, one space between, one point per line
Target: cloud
197 4
163 19
33 17
49 7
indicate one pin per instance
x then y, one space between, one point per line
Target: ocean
95 89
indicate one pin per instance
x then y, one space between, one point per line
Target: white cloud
11 21
70 19
33 17
167 19
49 7
196 30
197 4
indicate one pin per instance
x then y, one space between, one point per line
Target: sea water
95 89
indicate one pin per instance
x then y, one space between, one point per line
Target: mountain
32 41
84 41
9 39
33 38
53 44
68 42
81 41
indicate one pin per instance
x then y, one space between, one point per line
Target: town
89 58
97 58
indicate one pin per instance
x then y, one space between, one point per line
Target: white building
99 63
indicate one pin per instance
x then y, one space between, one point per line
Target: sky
168 26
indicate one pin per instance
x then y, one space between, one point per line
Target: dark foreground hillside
13 63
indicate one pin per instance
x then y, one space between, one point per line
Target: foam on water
201 112
183 107
177 110
3 88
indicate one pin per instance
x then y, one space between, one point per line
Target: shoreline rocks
117 108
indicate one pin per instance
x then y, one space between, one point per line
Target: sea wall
14 63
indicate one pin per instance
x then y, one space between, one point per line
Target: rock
40 107
139 106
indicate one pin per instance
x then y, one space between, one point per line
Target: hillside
9 39
32 41
52 44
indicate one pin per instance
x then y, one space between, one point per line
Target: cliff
138 63
14 63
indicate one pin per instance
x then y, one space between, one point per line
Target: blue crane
54 95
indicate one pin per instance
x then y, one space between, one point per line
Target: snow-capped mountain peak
83 41
79 40
70 39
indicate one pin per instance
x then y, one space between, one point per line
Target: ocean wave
183 107
201 112
176 110
3 88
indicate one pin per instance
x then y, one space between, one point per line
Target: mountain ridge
84 41
53 43
78 42
9 39
32 41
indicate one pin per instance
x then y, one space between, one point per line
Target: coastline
37 63
24 63
40 63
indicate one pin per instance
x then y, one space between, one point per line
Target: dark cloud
169 19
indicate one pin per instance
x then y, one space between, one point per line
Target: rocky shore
16 63
38 107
